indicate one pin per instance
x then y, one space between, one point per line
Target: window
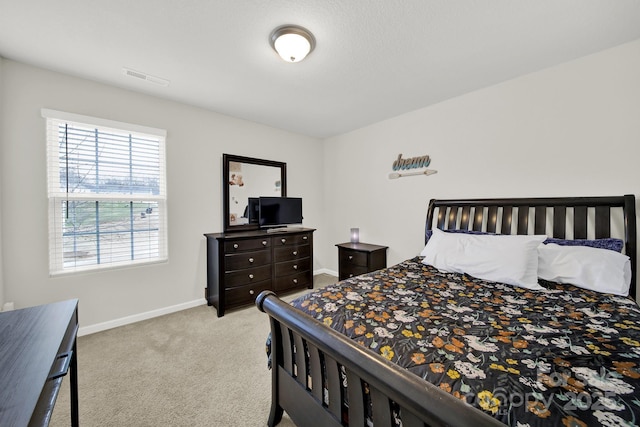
107 196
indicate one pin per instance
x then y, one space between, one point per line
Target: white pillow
600 270
510 259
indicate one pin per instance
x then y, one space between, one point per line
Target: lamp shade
293 43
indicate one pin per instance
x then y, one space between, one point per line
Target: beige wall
2 300
196 140
569 130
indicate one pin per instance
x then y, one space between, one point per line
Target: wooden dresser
240 265
360 258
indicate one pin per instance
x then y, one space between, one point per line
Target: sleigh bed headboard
558 217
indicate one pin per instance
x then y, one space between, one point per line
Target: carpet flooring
188 368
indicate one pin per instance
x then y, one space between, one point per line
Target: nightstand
359 258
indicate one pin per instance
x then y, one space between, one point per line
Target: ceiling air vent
144 76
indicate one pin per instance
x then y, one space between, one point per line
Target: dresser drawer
294 239
246 294
293 281
353 258
351 271
242 260
240 245
288 253
291 267
248 276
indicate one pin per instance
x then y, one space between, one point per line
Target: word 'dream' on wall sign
411 163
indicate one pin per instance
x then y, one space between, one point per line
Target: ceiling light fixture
292 42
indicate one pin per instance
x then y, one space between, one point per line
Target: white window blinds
107 193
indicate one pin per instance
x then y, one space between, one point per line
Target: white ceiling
374 59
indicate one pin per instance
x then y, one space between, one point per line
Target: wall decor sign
411 163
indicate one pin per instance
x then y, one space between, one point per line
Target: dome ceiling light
292 42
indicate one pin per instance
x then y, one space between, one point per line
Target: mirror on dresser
245 178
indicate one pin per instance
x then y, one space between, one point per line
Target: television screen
274 211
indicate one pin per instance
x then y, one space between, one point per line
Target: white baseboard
98 327
325 271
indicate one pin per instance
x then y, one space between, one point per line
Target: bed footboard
310 362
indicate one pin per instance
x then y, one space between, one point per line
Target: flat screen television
279 211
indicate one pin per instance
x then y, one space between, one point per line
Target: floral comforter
561 357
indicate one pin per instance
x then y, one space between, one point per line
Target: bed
416 345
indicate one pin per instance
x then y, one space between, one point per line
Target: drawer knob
350 257
295 253
295 281
235 246
283 241
264 243
304 237
251 276
295 267
251 292
251 260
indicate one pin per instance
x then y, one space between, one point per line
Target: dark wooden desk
37 347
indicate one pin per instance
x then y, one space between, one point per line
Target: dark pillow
608 243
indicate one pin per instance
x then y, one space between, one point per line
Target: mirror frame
226 159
